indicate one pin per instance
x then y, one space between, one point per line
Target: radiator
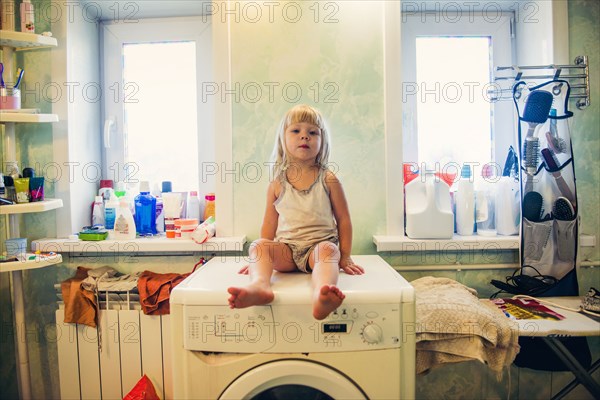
106 362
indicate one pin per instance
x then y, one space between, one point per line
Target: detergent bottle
428 211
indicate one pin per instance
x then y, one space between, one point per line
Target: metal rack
579 82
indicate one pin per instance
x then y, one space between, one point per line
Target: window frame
502 51
213 66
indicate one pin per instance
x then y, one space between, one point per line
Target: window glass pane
453 117
161 133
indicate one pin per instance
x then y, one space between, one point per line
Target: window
157 126
447 70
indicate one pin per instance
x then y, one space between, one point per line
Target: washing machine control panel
291 328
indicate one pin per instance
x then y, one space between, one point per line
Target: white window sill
457 243
140 245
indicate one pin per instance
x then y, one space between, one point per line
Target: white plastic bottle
98 212
124 223
428 211
193 206
27 17
465 203
508 214
110 211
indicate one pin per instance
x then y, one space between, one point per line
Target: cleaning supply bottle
106 188
485 204
98 212
209 206
145 211
110 211
124 223
193 206
465 203
160 216
428 212
27 17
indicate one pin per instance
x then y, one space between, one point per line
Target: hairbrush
553 167
563 209
533 206
531 148
537 109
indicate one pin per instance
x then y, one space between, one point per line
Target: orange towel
155 290
80 305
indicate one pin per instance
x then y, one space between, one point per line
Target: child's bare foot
330 298
251 295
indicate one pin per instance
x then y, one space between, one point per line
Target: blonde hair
297 114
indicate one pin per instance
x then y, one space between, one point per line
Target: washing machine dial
372 333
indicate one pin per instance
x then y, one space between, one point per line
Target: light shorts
301 252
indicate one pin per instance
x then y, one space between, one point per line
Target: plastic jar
184 227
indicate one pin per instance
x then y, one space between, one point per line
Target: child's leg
324 261
265 255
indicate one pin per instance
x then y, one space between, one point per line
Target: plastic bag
143 390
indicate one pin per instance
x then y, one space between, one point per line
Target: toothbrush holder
10 99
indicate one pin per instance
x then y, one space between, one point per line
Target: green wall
338 65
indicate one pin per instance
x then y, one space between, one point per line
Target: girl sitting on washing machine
307 224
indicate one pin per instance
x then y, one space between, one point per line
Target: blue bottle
145 211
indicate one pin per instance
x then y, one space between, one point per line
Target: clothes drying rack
577 74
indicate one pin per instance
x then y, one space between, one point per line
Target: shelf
25 208
140 245
21 117
457 243
22 41
38 262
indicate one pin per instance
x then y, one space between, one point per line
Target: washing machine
363 350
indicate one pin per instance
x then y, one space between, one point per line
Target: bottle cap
144 186
193 193
466 171
167 187
106 183
28 172
210 197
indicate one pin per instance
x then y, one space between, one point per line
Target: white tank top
305 216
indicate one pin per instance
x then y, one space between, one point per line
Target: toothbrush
20 73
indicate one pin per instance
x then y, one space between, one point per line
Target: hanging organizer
549 223
550 217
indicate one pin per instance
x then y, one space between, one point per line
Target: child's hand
348 266
244 270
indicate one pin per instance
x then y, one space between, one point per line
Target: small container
10 99
184 227
22 190
15 246
36 189
28 172
209 206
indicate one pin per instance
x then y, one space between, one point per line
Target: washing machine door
292 379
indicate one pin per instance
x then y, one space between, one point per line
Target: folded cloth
80 305
453 325
155 290
109 279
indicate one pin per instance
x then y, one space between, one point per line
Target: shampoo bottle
98 212
124 223
465 203
145 211
27 17
209 206
110 211
193 206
